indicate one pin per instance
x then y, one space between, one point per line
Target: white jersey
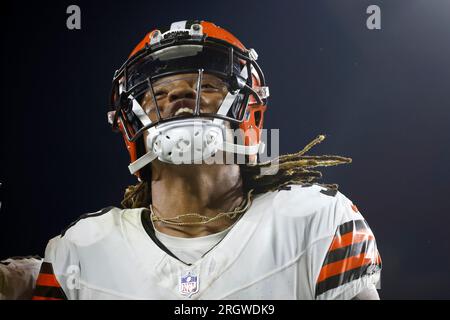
304 243
190 250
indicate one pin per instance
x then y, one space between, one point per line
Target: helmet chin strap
137 165
241 149
189 142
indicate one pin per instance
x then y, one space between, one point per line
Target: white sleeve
18 277
59 272
370 293
350 262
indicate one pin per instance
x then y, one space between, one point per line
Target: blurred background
382 97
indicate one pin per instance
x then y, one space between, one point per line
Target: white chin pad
186 141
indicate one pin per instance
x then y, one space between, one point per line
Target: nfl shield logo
189 284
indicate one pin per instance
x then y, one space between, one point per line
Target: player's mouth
184 111
183 107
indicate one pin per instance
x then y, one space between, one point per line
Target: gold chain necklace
242 208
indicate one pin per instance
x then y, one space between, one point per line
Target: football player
193 228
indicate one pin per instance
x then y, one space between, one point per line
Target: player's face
176 95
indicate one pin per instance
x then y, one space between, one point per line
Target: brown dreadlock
292 169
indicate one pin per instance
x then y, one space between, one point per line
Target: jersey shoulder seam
85 216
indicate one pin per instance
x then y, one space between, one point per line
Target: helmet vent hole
196 133
167 137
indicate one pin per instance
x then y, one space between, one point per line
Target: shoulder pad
90 225
302 200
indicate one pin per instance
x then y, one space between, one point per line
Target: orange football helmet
190 46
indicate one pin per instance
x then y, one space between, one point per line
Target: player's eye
207 87
160 94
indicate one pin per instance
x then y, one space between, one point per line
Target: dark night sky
382 97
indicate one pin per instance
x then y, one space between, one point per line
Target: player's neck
202 189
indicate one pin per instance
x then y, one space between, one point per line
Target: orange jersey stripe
342 266
44 298
47 280
379 258
349 238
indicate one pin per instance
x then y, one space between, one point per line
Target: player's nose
182 90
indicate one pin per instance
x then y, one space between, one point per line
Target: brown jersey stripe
50 292
46 267
351 250
351 226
